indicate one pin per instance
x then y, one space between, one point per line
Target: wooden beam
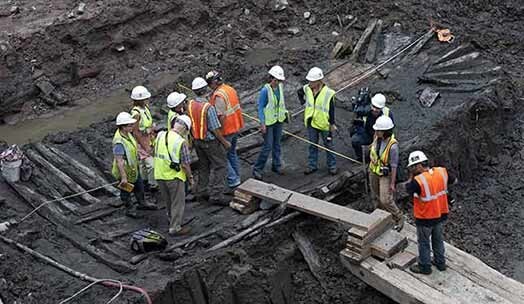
371 53
92 179
71 184
363 39
265 191
388 244
310 255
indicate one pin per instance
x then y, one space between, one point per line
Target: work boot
146 206
440 267
277 171
310 170
182 231
416 268
257 175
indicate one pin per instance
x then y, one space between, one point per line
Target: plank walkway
467 279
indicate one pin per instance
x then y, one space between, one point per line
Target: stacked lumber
244 202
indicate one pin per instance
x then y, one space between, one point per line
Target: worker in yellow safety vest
319 118
125 164
383 167
172 168
143 133
272 114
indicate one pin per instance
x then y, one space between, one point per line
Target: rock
81 8
2 200
71 15
334 33
312 20
293 30
341 49
307 15
14 10
246 11
280 5
12 119
120 48
428 97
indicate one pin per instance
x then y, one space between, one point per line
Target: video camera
361 105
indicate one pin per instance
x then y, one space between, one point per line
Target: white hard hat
140 93
277 72
383 123
124 118
416 157
314 74
175 98
198 83
378 101
186 120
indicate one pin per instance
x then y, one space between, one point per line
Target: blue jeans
233 164
424 234
138 190
359 139
314 135
272 140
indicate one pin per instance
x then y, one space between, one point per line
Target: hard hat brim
126 122
146 96
313 78
377 106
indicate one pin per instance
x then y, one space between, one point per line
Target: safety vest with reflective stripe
130 158
198 114
275 110
385 112
162 161
377 162
233 121
146 120
171 115
432 201
318 108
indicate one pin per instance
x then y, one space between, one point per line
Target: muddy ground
478 136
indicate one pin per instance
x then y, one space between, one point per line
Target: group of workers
210 124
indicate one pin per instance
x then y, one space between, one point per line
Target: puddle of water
261 56
77 117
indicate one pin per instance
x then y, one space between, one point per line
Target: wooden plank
310 255
363 39
71 184
388 244
476 270
371 53
330 211
395 283
402 260
96 216
265 191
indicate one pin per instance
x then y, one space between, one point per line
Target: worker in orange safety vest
227 104
429 188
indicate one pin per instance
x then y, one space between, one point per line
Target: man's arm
121 168
185 159
214 126
332 114
393 162
261 104
220 107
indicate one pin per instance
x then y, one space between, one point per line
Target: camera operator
362 133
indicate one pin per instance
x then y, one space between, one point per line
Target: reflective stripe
146 120
203 115
232 110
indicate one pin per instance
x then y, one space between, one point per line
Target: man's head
125 122
213 79
199 85
176 102
277 75
315 76
378 102
383 127
417 162
182 125
140 95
